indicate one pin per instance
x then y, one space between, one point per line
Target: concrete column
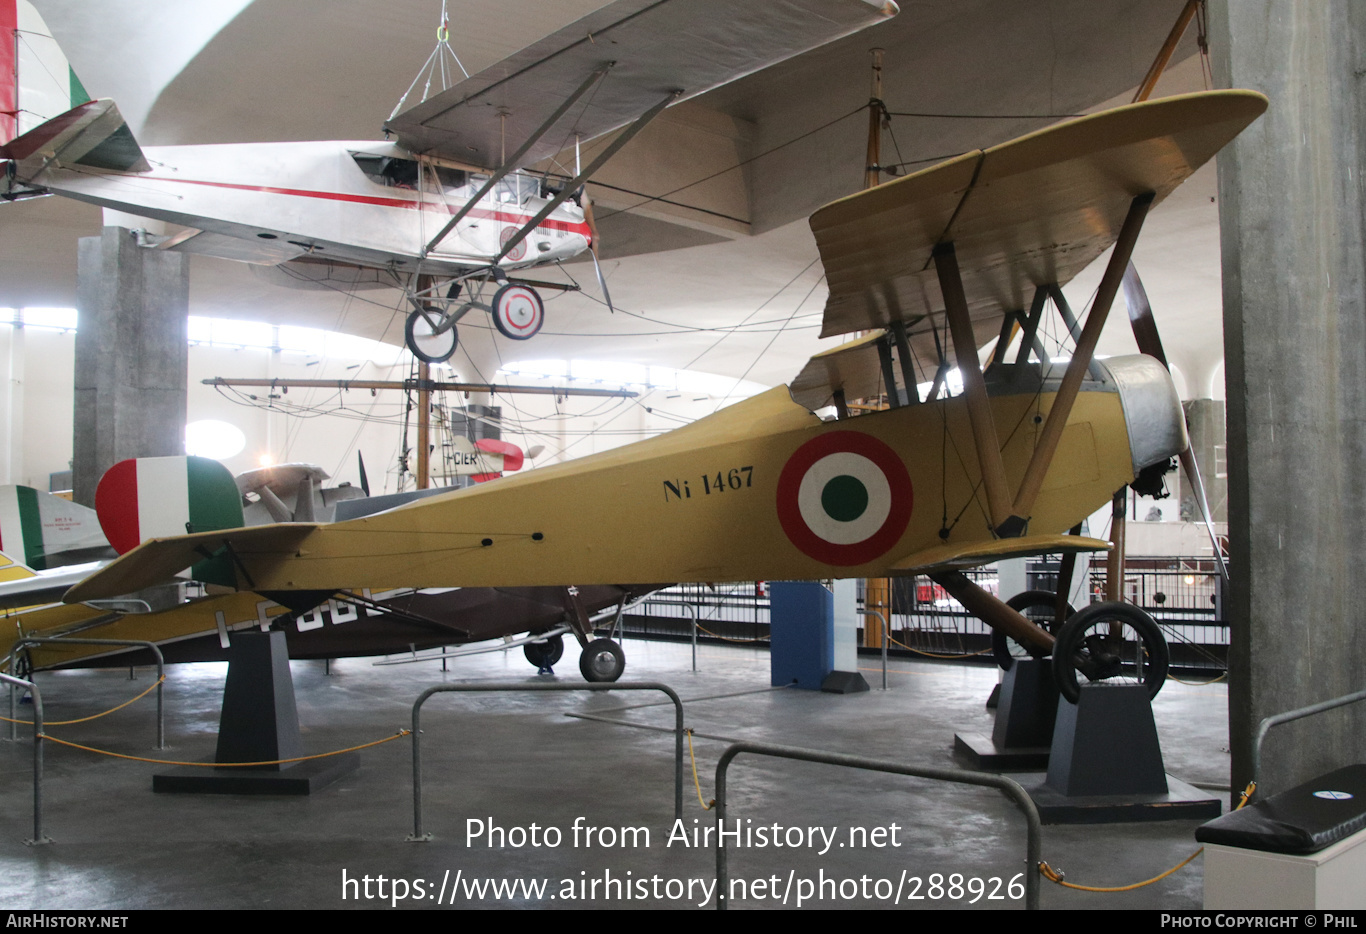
1205 424
1295 347
131 355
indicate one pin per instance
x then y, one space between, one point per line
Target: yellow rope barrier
226 765
726 639
1198 683
932 655
92 716
696 783
1054 875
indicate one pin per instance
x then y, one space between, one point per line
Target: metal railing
1290 715
1010 788
14 682
533 687
161 674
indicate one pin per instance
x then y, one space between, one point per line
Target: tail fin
46 116
36 80
160 497
39 528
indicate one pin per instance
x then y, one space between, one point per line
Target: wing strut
573 184
975 388
1082 355
512 163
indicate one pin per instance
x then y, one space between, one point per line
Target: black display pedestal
1025 713
259 723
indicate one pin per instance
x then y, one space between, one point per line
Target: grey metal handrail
491 686
1277 719
691 609
13 682
1010 788
886 638
59 640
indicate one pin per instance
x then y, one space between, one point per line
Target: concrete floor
517 759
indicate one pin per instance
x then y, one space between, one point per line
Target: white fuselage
370 203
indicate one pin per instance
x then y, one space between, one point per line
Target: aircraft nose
1152 409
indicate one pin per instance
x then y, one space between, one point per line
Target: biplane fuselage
761 490
366 203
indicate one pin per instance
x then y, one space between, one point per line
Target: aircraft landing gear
427 340
1110 641
544 654
602 660
1040 608
518 311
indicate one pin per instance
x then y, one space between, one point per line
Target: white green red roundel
844 498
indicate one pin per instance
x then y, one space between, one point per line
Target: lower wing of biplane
766 489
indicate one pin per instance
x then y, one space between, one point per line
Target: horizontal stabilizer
92 135
1033 211
653 48
975 554
161 559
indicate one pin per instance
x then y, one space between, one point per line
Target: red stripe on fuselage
9 102
478 213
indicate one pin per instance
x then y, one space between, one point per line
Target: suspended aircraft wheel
1037 606
1116 642
602 660
544 654
423 340
518 312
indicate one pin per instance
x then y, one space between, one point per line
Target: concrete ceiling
745 298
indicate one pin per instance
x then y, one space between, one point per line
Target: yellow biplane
936 264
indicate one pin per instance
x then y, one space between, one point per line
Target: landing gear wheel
544 654
424 342
1111 641
1039 607
518 312
602 660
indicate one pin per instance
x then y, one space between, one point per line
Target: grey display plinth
259 723
1106 764
1025 714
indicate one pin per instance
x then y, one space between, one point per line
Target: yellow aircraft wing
1033 211
851 368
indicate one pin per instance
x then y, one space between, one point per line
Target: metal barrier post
491 686
14 682
886 637
1277 719
1011 789
691 609
161 669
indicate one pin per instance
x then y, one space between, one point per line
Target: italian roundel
844 498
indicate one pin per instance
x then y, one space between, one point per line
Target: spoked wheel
602 660
1040 608
518 312
544 654
1114 642
426 342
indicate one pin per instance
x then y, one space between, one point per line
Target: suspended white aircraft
442 208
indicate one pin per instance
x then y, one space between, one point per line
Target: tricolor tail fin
163 497
36 80
45 531
46 116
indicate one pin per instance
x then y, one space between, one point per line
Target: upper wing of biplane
1031 212
621 61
